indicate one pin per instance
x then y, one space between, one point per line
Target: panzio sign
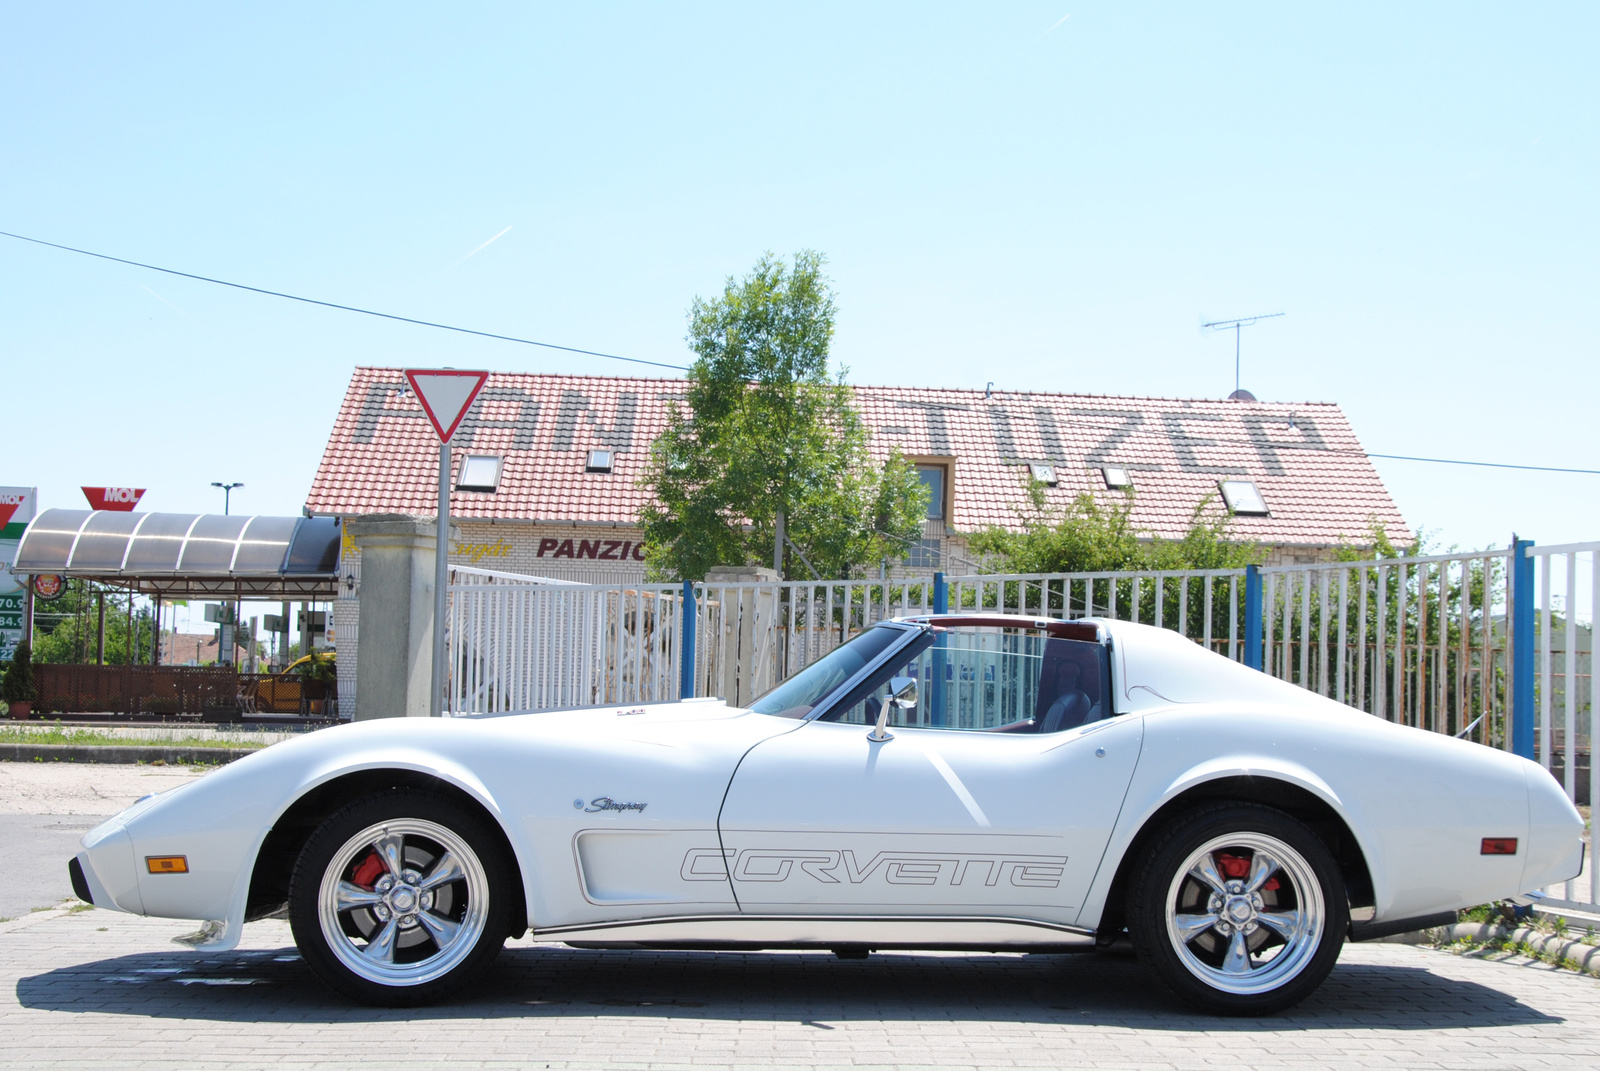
17 507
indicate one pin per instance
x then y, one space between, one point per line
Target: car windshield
801 693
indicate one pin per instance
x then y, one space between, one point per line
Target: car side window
992 679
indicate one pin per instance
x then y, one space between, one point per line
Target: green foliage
768 433
321 667
74 638
1381 547
17 685
1092 537
1088 537
66 627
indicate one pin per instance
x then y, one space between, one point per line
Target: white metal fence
531 643
1421 641
1206 605
1569 591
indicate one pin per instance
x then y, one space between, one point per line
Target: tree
17 686
770 452
1088 537
68 627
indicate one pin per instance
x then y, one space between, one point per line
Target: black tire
407 939
1270 942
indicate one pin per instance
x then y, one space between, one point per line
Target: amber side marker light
179 864
1499 846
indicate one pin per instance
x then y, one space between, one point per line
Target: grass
1553 925
58 734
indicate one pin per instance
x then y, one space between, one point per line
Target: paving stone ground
100 989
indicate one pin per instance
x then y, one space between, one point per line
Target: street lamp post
227 489
227 633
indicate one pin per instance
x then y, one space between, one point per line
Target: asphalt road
46 807
38 847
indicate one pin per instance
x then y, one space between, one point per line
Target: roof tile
1304 457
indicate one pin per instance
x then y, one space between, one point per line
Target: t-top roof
182 554
1307 462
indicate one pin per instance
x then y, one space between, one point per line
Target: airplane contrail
164 301
478 250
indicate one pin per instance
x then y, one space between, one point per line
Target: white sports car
979 783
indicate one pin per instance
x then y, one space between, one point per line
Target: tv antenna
1236 325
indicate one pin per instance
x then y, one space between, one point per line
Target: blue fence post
1522 605
686 649
937 664
1252 616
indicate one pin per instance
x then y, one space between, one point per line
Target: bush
17 684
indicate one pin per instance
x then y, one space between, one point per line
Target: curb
1587 957
22 922
117 753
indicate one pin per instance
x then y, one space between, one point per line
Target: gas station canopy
187 555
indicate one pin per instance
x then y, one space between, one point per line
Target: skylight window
1116 477
599 461
932 478
1243 498
1042 472
479 472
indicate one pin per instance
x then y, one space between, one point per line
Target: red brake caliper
1237 866
369 871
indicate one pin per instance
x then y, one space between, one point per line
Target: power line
1127 433
1487 464
343 308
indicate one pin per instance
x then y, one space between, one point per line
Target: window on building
933 480
1043 472
1116 477
1243 498
924 554
479 472
599 461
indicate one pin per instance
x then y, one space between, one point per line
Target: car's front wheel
1240 909
400 899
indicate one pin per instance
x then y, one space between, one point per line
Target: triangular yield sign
6 510
446 394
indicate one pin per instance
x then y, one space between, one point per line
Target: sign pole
445 395
441 582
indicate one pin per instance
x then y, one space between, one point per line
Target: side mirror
902 694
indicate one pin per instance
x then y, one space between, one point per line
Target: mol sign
17 506
122 499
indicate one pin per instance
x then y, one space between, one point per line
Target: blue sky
1046 195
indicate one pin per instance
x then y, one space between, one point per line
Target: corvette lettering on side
895 868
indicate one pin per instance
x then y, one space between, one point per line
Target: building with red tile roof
572 449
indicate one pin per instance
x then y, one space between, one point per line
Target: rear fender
1143 806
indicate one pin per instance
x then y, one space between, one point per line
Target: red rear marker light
1499 846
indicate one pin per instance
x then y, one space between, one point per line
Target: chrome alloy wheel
403 902
1245 913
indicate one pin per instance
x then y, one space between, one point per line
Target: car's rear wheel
400 899
1240 909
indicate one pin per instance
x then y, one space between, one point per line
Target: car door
966 809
